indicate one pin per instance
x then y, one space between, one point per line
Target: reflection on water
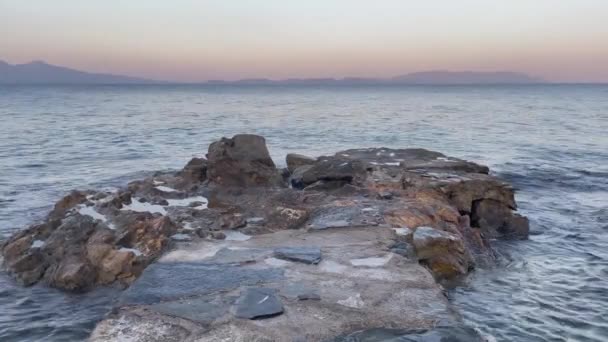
550 141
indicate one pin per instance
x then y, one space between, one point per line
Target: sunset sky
196 40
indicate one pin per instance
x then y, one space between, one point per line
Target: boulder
444 253
242 161
73 274
295 160
496 220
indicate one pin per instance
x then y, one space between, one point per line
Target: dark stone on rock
295 179
258 303
325 185
195 171
307 255
330 169
295 160
193 279
385 195
412 159
232 221
256 221
242 161
438 334
309 296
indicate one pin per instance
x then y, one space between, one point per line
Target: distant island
39 72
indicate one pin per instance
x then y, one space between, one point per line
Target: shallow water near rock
548 141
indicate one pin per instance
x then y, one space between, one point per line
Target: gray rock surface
295 160
257 302
306 255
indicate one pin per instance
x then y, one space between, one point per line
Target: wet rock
496 220
114 264
242 161
66 203
257 302
439 334
295 160
73 273
195 171
443 252
147 233
306 255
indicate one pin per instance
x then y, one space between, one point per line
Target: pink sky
191 40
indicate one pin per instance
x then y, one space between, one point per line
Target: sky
197 40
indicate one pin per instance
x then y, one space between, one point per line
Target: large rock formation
242 160
356 238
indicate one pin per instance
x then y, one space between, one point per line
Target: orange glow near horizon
199 40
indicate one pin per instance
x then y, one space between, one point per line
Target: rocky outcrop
243 161
356 238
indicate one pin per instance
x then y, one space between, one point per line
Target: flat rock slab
439 334
307 255
200 310
257 302
169 281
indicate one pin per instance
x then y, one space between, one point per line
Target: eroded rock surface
355 239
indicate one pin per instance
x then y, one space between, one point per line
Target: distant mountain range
42 73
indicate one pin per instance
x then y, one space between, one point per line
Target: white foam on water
372 262
181 237
200 252
404 231
188 226
135 251
91 212
392 154
392 163
276 262
165 188
37 244
145 207
157 182
368 209
232 235
185 202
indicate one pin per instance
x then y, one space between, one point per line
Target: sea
549 141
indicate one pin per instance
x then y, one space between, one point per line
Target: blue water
551 142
